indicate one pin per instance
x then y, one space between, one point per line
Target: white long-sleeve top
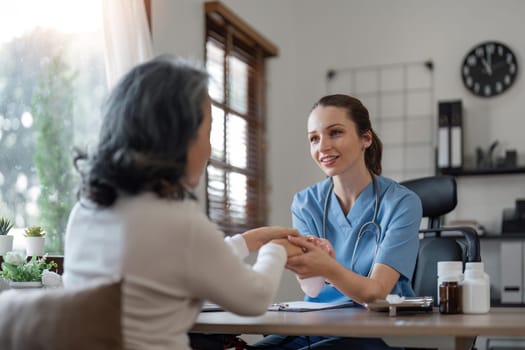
171 258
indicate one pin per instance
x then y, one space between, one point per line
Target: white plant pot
35 246
23 285
6 244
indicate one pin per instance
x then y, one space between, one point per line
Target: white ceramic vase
35 246
6 244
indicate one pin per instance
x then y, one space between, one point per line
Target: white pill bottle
476 289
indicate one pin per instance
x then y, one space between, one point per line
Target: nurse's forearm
359 288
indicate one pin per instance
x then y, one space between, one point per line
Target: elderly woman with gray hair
137 216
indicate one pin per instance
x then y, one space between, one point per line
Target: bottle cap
474 266
445 268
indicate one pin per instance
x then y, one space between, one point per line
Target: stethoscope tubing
361 232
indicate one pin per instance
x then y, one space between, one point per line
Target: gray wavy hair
149 121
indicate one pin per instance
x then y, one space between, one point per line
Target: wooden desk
431 330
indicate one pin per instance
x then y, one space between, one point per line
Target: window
235 59
52 82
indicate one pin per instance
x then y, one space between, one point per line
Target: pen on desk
283 305
279 305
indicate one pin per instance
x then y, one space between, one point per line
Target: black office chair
439 196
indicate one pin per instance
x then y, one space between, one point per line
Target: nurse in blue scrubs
371 221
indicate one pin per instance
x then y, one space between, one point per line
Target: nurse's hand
257 237
322 243
314 262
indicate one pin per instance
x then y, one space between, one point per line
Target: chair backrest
84 318
438 196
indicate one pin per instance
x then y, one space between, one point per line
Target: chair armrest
471 236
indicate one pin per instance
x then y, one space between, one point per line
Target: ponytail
373 154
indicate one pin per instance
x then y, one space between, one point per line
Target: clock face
489 69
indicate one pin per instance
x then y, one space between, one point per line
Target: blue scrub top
399 216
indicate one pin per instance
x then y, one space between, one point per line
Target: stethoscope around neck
363 228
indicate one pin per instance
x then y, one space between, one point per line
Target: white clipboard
302 306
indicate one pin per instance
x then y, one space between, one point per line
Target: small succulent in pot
34 231
5 225
35 241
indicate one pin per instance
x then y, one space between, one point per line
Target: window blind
235 175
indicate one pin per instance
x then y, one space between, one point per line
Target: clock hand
487 66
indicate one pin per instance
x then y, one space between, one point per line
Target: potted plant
20 273
35 239
6 241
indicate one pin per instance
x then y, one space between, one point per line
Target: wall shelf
503 237
479 172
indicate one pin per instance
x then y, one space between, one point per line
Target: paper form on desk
301 306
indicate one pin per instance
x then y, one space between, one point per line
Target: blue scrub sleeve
298 220
400 243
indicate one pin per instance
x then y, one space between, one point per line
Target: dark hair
358 113
149 120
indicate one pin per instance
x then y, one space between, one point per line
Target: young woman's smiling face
335 145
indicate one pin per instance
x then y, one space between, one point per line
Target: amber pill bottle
450 297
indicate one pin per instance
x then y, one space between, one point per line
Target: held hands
291 249
322 243
306 255
257 237
312 286
317 260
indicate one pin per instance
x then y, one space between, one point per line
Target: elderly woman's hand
257 237
291 249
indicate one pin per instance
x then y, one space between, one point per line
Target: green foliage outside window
52 109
